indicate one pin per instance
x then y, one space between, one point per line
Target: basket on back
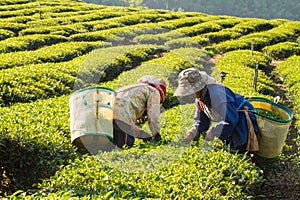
273 121
91 119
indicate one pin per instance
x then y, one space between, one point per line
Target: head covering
191 81
159 84
207 78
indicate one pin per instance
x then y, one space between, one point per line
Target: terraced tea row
284 32
56 53
175 122
288 71
31 42
41 81
36 133
51 48
239 66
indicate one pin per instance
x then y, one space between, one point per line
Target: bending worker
215 102
131 104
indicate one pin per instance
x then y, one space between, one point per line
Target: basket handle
276 99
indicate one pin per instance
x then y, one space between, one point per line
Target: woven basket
91 119
272 131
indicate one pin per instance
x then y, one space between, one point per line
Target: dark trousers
121 134
241 149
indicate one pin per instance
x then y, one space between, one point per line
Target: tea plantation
50 49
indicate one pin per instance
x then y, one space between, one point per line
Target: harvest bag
272 131
91 119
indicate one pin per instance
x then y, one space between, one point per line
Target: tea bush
12 26
95 15
198 29
22 20
239 66
178 27
38 81
41 81
164 172
5 34
106 64
14 2
281 33
181 42
224 34
184 21
14 13
287 70
247 26
282 50
112 34
64 30
55 53
31 42
158 39
201 40
34 140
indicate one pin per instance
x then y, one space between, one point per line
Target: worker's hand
209 136
157 137
189 137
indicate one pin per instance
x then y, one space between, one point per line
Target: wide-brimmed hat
191 81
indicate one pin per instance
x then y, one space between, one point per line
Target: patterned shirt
132 101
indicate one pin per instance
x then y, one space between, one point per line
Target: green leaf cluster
166 172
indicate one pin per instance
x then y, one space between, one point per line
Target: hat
207 79
191 81
159 84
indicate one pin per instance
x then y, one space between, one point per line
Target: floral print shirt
132 101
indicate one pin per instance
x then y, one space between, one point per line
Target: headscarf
159 84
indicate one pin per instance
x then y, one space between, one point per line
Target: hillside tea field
50 49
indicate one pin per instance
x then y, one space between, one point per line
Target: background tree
267 9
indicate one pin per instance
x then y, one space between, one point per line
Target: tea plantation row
45 80
120 167
51 48
151 170
287 71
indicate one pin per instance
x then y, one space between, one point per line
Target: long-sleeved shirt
221 105
132 101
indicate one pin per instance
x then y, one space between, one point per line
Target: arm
153 112
201 122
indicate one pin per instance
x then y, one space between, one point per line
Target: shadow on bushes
23 164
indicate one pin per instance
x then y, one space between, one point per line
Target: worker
235 125
132 103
